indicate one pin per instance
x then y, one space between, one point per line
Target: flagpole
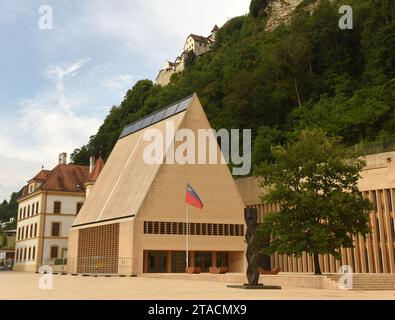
187 231
187 238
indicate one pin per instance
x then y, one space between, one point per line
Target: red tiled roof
96 170
42 175
67 177
64 177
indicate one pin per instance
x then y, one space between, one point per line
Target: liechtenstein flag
192 198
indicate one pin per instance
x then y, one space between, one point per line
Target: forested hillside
307 74
9 209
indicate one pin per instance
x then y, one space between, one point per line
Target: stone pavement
16 285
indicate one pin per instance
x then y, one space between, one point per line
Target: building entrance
175 261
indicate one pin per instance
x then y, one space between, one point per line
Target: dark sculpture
251 218
252 254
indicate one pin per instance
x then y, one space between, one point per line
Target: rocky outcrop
280 11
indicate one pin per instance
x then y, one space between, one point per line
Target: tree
3 240
9 209
190 59
258 7
314 182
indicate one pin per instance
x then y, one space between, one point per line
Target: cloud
154 29
46 126
119 83
56 107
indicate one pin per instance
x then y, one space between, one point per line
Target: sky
58 84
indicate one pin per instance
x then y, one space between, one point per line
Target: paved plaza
14 285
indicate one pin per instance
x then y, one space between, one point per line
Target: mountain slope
308 73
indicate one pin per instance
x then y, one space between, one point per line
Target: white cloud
154 29
119 83
124 38
47 126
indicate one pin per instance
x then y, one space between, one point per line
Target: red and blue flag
192 198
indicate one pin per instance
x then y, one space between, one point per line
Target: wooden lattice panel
98 249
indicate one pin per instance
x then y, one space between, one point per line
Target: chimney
91 163
63 158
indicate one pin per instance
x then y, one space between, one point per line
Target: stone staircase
372 282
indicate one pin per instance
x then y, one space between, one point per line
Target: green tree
258 7
9 209
3 240
190 59
314 181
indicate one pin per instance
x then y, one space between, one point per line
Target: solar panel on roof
157 117
183 105
127 130
147 121
171 111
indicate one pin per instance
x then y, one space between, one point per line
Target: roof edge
123 134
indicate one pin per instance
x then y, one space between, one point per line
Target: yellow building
134 220
46 210
373 255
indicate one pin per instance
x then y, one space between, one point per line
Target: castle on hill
194 43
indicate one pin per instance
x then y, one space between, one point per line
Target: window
54 252
30 253
156 227
55 229
79 206
180 228
33 209
35 230
24 212
168 227
31 231
237 230
28 210
198 228
232 230
389 200
174 228
210 229
24 254
162 228
215 230
221 230
34 253
27 232
204 229
226 230
37 208
374 200
57 206
194 229
20 213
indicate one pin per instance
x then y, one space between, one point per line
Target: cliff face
280 11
